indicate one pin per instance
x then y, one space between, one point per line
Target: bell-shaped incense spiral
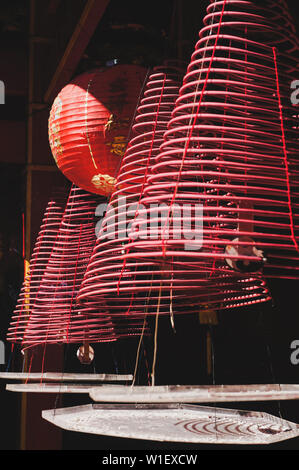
141 281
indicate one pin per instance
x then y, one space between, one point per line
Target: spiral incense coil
153 113
46 311
139 284
119 326
54 316
231 147
230 150
38 262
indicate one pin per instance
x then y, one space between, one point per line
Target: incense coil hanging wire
38 262
137 281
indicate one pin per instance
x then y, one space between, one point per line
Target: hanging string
156 337
171 300
27 283
146 365
270 362
170 211
284 146
213 375
30 366
56 287
74 284
10 358
138 352
145 173
58 395
143 328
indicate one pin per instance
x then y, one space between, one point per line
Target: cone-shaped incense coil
55 317
138 281
106 264
38 262
230 156
230 151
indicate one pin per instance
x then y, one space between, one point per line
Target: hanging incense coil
38 262
231 147
54 316
140 283
153 113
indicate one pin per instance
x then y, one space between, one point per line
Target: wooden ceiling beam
77 44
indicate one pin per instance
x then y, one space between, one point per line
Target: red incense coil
137 280
153 113
38 262
55 317
231 146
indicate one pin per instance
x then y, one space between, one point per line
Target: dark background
250 345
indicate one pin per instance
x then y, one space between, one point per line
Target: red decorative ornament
89 125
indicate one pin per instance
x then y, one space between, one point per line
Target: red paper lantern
89 125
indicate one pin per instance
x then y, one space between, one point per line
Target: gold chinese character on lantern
118 145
